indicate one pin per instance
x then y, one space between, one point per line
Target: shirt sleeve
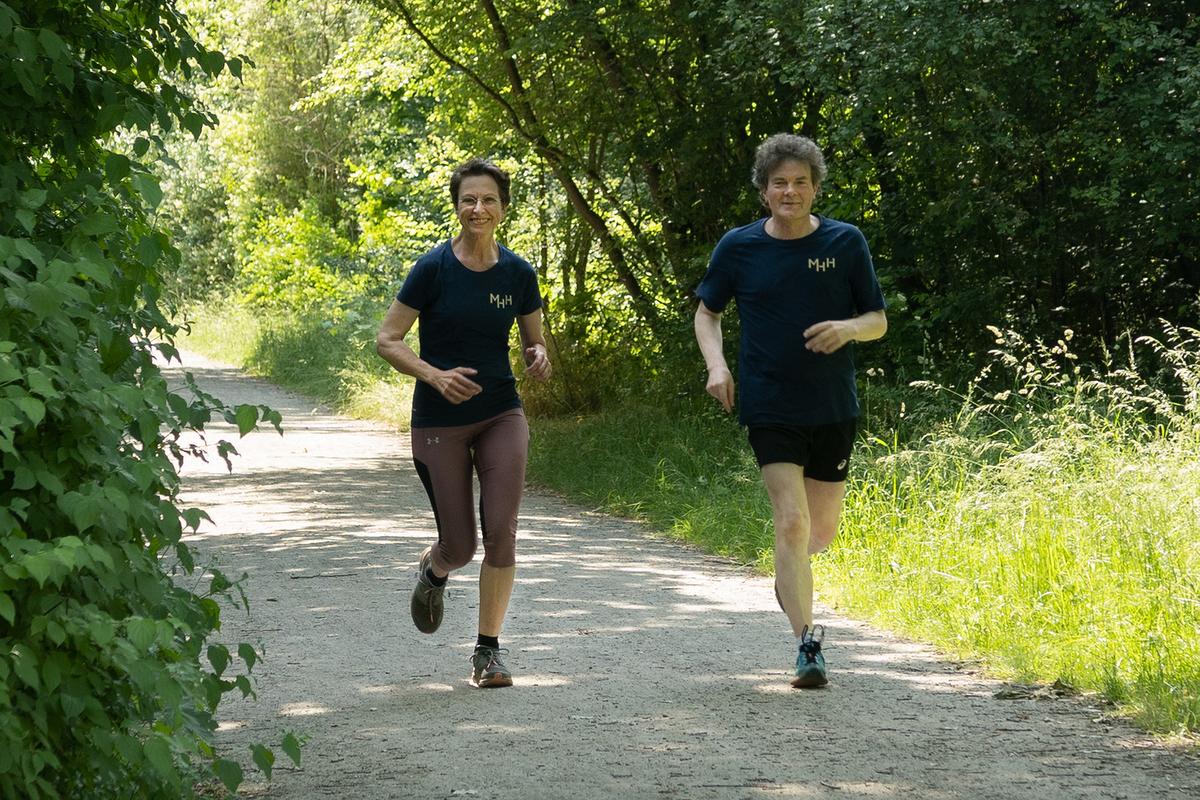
531 298
864 284
716 289
420 285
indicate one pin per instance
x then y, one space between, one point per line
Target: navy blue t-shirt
466 320
782 286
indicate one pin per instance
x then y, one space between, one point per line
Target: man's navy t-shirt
782 286
466 319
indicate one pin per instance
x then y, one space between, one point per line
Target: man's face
790 191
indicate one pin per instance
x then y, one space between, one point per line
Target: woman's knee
452 555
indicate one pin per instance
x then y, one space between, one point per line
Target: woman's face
479 207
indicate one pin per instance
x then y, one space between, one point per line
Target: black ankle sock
488 641
434 579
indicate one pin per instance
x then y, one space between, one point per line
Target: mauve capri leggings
497 449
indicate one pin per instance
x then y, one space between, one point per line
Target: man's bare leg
793 573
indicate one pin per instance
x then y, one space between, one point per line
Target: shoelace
810 641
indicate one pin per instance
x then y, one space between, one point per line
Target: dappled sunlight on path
642 667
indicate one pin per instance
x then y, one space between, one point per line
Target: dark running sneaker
810 664
487 670
426 598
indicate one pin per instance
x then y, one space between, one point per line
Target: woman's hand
537 362
455 384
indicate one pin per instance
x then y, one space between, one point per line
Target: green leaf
247 418
102 631
25 665
23 478
27 219
291 746
7 609
193 123
247 653
130 749
39 566
158 753
39 383
72 706
218 656
52 672
142 632
29 251
235 67
230 773
149 251
212 62
98 224
149 188
31 407
116 167
32 199
264 758
52 44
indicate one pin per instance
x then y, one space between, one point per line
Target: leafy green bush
104 691
296 261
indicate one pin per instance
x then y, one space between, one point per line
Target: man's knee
792 528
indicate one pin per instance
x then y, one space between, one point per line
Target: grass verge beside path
1072 557
1069 562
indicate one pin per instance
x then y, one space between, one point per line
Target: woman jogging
466 414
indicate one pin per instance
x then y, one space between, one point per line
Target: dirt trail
643 668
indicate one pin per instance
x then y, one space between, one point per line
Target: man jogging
805 289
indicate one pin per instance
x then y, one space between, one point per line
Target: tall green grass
1045 521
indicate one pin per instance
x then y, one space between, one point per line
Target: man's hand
537 363
829 336
456 384
720 386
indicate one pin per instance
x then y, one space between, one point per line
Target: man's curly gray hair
783 147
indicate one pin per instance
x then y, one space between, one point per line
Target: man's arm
833 335
708 336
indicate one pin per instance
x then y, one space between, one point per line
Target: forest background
1026 489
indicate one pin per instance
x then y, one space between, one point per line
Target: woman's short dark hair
480 166
786 147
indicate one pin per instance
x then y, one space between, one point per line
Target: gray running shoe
810 664
487 670
427 602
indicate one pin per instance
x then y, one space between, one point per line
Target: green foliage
296 261
104 693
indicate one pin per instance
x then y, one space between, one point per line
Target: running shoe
488 670
427 604
810 664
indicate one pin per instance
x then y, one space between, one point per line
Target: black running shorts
823 450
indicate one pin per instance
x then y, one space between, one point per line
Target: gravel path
643 668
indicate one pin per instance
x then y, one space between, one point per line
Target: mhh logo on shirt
822 264
500 300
